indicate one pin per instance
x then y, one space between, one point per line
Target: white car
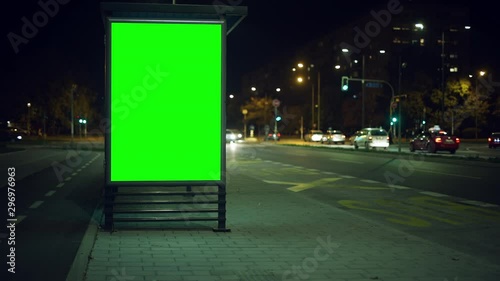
233 135
372 138
314 135
333 136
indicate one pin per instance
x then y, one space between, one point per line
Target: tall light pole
442 76
319 95
244 112
363 93
28 121
73 88
481 73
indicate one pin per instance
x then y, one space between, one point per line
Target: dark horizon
71 42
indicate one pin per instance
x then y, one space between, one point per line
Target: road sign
276 103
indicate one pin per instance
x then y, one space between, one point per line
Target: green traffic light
394 119
278 118
345 88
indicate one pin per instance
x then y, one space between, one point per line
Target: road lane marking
50 193
435 194
36 204
328 173
370 181
304 186
74 174
281 182
398 186
478 203
347 177
447 174
347 161
79 170
19 219
313 170
370 187
60 185
67 179
390 216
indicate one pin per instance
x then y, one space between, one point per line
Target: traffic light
278 118
345 83
423 122
394 119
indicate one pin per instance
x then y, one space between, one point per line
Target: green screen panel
165 99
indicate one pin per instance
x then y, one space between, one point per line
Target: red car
494 140
435 140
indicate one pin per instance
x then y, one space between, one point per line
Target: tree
259 110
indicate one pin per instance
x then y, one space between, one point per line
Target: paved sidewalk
279 235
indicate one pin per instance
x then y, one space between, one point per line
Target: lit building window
454 69
453 30
453 56
422 42
405 28
396 41
396 28
414 42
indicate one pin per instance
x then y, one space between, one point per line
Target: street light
481 73
245 112
29 118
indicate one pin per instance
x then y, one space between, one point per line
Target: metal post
319 92
363 94
399 125
301 127
72 121
312 107
275 124
442 75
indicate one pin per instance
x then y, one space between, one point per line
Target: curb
80 263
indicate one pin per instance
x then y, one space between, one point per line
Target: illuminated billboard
165 101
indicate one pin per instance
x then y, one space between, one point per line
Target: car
333 136
314 135
435 140
372 138
11 135
494 140
233 135
273 136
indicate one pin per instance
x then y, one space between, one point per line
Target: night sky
72 40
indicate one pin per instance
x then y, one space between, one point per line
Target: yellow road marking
447 174
304 186
394 217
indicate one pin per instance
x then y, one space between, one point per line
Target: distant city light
419 25
300 79
345 50
470 75
231 96
382 51
355 61
253 89
482 73
300 65
294 69
337 66
467 27
278 89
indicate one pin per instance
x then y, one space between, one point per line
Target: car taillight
438 140
457 140
489 139
279 135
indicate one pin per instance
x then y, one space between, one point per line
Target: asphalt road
56 192
448 201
